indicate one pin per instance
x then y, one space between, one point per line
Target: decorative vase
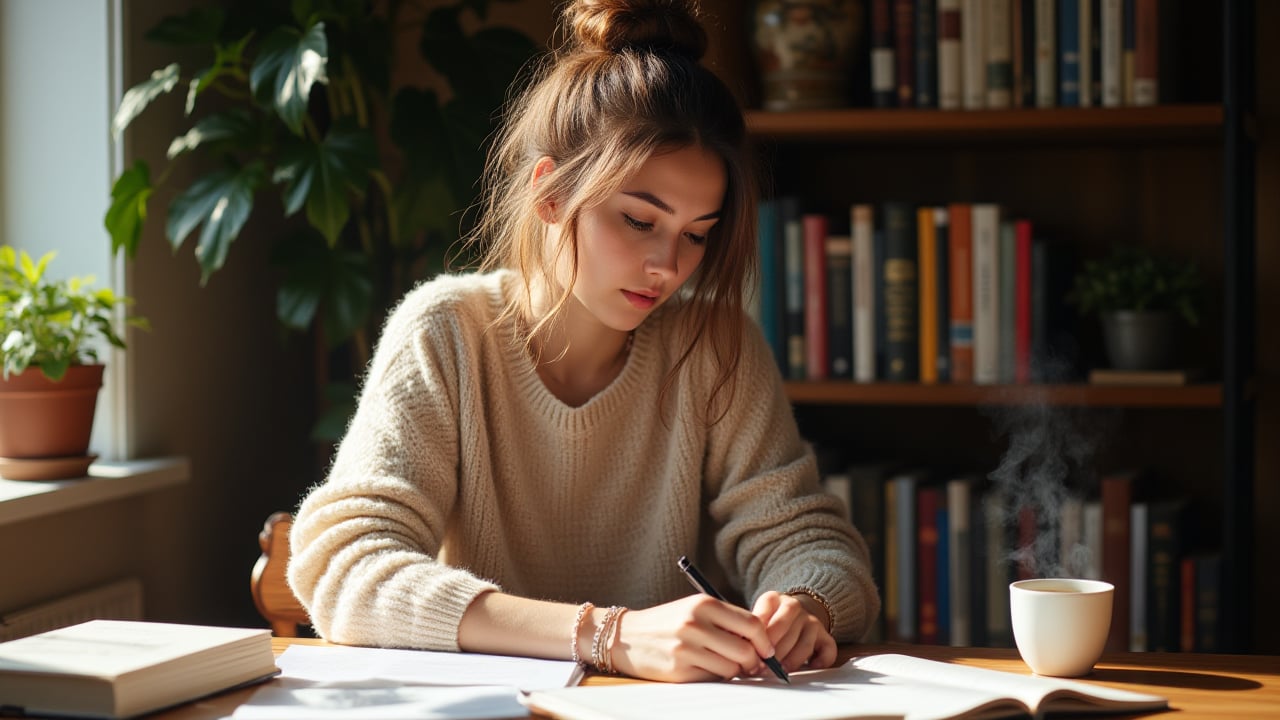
806 51
45 425
1140 340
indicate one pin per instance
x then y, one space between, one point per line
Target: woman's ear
547 209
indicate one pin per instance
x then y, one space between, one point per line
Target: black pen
701 583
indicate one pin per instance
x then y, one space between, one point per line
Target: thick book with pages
874 686
123 668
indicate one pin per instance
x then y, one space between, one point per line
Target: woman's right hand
696 638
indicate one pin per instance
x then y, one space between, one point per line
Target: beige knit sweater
461 472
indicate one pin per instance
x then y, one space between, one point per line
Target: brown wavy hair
625 83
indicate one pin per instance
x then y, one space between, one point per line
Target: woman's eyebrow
657 202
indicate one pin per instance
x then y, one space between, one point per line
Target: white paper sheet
323 663
290 699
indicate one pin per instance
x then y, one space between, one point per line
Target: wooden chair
271 591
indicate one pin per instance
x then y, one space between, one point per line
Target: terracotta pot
43 419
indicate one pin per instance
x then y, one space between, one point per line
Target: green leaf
288 66
200 26
235 125
319 175
321 279
128 209
220 202
140 96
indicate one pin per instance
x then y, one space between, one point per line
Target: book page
1037 693
328 663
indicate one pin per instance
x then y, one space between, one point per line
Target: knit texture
460 473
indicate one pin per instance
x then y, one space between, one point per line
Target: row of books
956 293
944 550
976 54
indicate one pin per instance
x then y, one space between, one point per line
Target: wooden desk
1198 686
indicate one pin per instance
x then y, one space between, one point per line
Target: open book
123 668
875 686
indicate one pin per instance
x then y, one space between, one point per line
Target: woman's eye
637 224
696 239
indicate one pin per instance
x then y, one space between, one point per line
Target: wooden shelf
1157 123
840 392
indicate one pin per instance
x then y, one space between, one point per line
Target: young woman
538 442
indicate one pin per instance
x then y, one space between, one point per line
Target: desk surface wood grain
1199 686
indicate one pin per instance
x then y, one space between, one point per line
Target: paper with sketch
330 663
335 682
875 686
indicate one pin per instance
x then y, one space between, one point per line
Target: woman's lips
640 300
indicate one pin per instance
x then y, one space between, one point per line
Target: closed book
1117 496
926 49
867 485
942 302
1094 77
1047 57
950 54
883 66
999 56
1085 52
793 254
904 52
901 293
1128 40
1209 602
1024 53
905 553
1138 576
839 307
865 297
1022 302
960 292
943 522
928 292
999 571
985 224
1187 604
881 344
1112 39
929 500
1069 53
959 560
124 668
1168 537
815 295
973 43
1146 53
772 276
1008 301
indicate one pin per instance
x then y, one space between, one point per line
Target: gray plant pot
1146 340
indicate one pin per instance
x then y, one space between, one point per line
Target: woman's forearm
509 625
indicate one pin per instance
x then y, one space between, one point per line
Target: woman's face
639 246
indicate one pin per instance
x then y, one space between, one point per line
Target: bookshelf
1177 176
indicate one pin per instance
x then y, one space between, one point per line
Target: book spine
1209 603
793 249
1146 53
883 88
839 307
1022 302
942 306
904 55
905 509
974 46
986 293
1086 45
926 48
1128 40
1008 300
950 55
771 281
1091 531
868 488
1046 54
892 603
864 293
928 285
1187 604
999 39
943 582
959 558
1138 539
881 342
1095 52
927 506
996 552
961 293
815 300
1167 533
1069 53
902 356
1117 496
1112 51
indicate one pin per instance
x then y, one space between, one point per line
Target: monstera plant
292 104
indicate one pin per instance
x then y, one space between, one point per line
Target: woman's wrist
816 605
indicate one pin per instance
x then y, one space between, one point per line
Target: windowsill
107 481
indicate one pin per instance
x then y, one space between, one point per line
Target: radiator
121 600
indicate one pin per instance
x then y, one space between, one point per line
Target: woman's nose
664 257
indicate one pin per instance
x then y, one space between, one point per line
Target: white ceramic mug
1060 625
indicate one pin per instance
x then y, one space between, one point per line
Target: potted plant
1143 301
51 374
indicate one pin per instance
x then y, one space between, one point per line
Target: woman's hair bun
615 25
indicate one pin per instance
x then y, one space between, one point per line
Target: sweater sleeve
776 529
365 542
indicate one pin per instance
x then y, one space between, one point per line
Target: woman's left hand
799 635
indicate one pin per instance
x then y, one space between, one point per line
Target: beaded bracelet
583 609
806 590
601 657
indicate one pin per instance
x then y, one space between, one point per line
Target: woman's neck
576 356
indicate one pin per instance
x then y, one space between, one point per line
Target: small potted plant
51 375
1142 301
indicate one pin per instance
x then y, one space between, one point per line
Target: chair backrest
271 591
